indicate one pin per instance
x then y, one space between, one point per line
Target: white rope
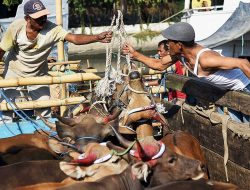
106 86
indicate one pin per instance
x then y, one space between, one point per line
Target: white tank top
233 79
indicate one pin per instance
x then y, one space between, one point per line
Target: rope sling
106 85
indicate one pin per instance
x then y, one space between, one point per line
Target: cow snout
197 172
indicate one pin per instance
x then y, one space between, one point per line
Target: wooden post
60 50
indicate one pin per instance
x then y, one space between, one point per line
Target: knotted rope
106 86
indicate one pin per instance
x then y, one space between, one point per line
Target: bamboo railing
4 106
45 80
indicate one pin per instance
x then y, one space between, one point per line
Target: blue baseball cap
35 9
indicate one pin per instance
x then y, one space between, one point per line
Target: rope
224 134
125 151
136 91
106 86
182 11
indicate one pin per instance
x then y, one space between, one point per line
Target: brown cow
185 144
196 185
31 140
123 184
31 172
180 142
25 147
98 161
168 168
21 154
140 105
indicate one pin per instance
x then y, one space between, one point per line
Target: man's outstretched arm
157 64
81 39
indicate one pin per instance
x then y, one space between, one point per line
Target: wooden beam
236 100
43 103
237 174
210 135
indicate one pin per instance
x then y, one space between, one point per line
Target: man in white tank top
29 41
225 72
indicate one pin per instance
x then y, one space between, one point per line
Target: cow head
163 167
97 161
86 130
169 167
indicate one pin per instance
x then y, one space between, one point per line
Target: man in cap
225 72
29 42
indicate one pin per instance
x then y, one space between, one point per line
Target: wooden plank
236 174
210 136
203 90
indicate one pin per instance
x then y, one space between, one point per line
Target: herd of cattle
88 151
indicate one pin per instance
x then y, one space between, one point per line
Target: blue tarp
237 25
22 127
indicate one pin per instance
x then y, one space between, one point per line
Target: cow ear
56 146
64 130
76 171
141 171
67 121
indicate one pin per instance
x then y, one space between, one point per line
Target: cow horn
124 142
49 124
88 160
67 121
112 117
116 113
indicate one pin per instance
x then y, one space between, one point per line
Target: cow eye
171 160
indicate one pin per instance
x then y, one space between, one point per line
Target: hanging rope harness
106 86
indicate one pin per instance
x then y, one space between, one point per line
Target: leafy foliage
100 12
9 3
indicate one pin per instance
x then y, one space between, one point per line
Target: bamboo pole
157 89
56 73
45 80
60 50
4 106
147 71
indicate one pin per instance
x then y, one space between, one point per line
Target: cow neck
144 130
136 86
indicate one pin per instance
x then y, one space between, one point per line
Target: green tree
10 3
